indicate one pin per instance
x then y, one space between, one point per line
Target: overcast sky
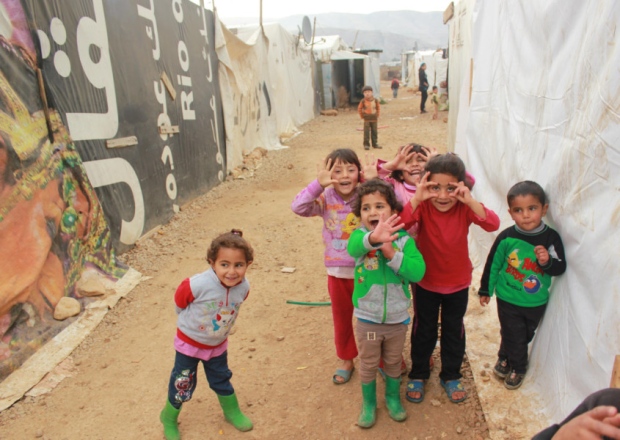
284 8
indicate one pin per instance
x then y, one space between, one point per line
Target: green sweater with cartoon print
513 272
381 292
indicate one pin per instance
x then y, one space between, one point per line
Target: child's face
230 266
444 191
372 207
368 94
347 177
415 167
527 212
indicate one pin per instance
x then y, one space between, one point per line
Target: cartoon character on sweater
224 319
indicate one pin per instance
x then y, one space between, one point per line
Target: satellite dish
306 29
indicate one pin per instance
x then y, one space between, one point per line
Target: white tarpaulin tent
436 67
266 87
545 106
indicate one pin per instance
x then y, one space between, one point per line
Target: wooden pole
615 374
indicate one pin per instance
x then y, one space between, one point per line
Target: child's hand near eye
463 194
424 189
324 173
542 255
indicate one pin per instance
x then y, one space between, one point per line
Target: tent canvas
544 107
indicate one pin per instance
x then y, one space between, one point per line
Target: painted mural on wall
51 223
103 62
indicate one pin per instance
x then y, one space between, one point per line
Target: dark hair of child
230 240
527 188
435 88
372 186
345 155
398 174
449 163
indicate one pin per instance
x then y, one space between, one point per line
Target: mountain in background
393 32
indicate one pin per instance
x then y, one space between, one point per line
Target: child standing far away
435 101
386 261
519 268
394 86
444 208
369 110
330 197
208 305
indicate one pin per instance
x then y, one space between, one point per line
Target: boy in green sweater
386 261
519 268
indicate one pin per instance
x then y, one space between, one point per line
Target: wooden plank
121 142
448 13
168 85
615 374
168 129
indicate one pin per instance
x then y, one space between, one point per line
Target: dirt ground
282 355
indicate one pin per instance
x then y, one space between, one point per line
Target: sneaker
501 368
514 380
377 146
366 147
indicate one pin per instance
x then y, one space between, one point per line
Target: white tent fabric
266 87
545 106
436 68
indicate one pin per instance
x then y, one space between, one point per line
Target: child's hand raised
463 194
542 255
385 231
370 167
430 152
324 173
423 191
399 162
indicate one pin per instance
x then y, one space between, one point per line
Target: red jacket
442 239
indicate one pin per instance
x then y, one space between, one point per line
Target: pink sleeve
309 203
184 295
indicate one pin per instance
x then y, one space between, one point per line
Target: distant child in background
208 305
394 86
330 197
435 101
519 268
444 208
386 261
369 110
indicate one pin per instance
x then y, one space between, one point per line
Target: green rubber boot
168 417
392 399
368 416
233 413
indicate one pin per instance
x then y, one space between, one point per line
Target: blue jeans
183 377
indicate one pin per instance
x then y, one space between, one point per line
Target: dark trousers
604 397
426 306
370 133
183 377
518 326
423 101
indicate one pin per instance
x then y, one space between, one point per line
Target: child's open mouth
373 223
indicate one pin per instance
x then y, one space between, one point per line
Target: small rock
487 365
66 308
280 338
483 373
251 348
459 430
486 378
287 270
435 402
39 434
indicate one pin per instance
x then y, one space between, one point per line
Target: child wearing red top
444 208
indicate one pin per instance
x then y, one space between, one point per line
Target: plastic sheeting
266 87
545 106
